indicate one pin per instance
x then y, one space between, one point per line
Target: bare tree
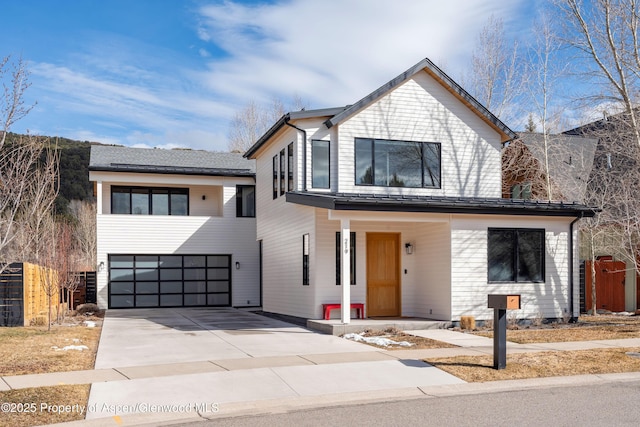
496 78
253 120
67 263
15 81
84 213
604 34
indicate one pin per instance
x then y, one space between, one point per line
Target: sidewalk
217 388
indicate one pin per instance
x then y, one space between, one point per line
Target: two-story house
395 202
175 228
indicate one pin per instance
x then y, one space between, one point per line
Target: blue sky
171 73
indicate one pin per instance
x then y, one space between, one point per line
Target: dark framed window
290 167
516 255
521 191
389 163
149 201
320 163
282 172
305 260
352 253
275 176
245 201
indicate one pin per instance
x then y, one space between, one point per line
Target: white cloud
335 51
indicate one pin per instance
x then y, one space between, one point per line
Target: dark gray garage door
169 281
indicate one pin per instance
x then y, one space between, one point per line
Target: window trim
282 172
328 145
290 166
239 204
352 253
129 189
372 141
275 177
516 260
305 259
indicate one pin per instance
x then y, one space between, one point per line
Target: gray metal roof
189 162
570 160
438 204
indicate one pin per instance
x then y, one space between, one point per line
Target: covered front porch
400 271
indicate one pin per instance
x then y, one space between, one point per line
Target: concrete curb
263 407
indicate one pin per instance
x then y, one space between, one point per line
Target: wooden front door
383 274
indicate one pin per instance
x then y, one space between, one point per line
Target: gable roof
442 78
185 162
335 116
570 160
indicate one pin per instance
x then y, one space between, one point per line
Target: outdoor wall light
237 265
101 266
204 197
409 248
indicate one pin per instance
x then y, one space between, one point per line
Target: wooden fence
25 290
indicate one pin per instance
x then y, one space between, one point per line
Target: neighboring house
175 228
570 162
395 202
613 185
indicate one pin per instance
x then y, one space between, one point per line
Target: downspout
571 282
304 153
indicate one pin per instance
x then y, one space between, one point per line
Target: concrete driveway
153 336
194 362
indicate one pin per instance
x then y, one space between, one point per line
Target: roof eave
338 203
143 169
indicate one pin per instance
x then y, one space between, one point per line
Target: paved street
614 404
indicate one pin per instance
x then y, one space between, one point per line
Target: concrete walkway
150 393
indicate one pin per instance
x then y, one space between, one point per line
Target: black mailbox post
500 305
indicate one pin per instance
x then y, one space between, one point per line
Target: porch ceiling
438 204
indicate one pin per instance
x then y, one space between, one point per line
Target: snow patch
90 323
381 341
71 347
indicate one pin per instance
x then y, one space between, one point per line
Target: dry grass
32 350
540 364
588 328
42 405
419 343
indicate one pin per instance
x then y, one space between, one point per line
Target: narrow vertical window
290 166
305 260
282 181
275 176
320 164
352 250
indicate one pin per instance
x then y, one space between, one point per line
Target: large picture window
246 201
390 163
352 252
516 255
149 201
320 164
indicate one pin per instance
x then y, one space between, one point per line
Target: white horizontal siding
134 234
432 256
280 226
470 285
422 110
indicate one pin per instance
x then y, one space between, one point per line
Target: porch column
98 191
345 233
